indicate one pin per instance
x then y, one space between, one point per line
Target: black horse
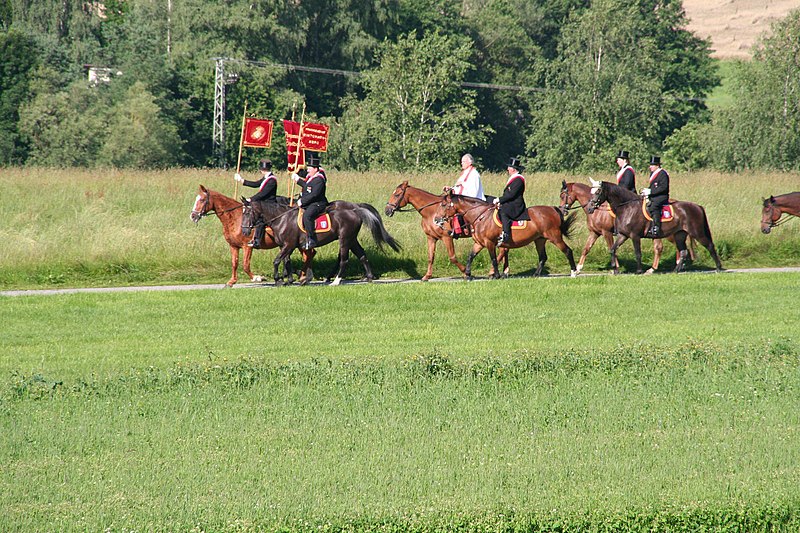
346 219
689 220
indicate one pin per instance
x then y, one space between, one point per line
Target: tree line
562 83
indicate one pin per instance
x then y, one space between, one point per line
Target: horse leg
614 262
680 243
476 248
307 274
287 270
431 255
709 245
344 255
540 249
589 243
248 254
658 247
234 266
502 256
286 251
359 252
451 253
637 250
558 241
491 247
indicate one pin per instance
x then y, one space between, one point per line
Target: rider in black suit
512 204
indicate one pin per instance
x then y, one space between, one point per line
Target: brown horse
776 206
689 220
229 212
546 224
601 222
426 204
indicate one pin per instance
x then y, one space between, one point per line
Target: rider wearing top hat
267 188
512 204
657 194
312 199
626 177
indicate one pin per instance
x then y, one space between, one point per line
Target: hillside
733 26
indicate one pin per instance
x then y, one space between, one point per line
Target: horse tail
370 216
706 228
567 223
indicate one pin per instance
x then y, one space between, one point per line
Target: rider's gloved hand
645 192
496 201
238 177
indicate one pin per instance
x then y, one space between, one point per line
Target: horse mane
621 192
469 199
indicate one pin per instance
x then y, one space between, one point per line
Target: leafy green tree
762 128
415 114
614 84
18 58
138 136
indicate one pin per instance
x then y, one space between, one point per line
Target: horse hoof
649 271
278 282
574 273
336 282
228 285
257 279
290 281
367 279
425 278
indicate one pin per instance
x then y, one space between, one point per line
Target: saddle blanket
321 224
517 224
666 212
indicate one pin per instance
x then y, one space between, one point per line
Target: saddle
517 224
666 212
321 224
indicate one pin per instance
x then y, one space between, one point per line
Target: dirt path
51 292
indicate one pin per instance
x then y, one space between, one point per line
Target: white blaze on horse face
195 208
594 190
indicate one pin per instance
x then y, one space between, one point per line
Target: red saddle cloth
517 224
321 224
666 212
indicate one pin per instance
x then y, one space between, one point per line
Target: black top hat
624 154
265 164
655 160
514 163
312 160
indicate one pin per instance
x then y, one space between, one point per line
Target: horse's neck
421 199
582 193
789 203
225 208
618 197
470 209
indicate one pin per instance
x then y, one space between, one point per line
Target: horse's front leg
491 247
246 261
344 255
451 253
234 266
286 251
431 255
306 274
614 247
476 248
637 250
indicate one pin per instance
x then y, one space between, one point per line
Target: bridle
439 221
205 211
396 206
567 205
773 223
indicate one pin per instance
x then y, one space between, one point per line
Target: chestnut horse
689 220
601 222
427 204
546 224
229 212
346 219
776 206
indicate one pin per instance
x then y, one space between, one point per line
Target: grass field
601 403
93 228
560 404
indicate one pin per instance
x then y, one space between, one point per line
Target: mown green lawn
602 403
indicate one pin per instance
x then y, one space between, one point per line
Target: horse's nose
388 211
765 230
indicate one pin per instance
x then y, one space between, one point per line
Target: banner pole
297 151
289 183
239 159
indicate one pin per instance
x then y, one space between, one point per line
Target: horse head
599 195
397 199
446 211
202 205
567 199
249 216
769 215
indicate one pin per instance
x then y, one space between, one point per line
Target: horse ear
404 184
594 182
563 184
772 199
203 188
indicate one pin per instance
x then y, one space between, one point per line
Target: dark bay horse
689 220
427 204
346 220
546 224
229 212
601 222
777 206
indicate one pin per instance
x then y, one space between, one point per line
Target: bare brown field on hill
733 26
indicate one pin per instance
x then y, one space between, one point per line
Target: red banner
295 158
315 137
257 133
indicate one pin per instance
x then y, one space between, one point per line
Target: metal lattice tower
219 112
